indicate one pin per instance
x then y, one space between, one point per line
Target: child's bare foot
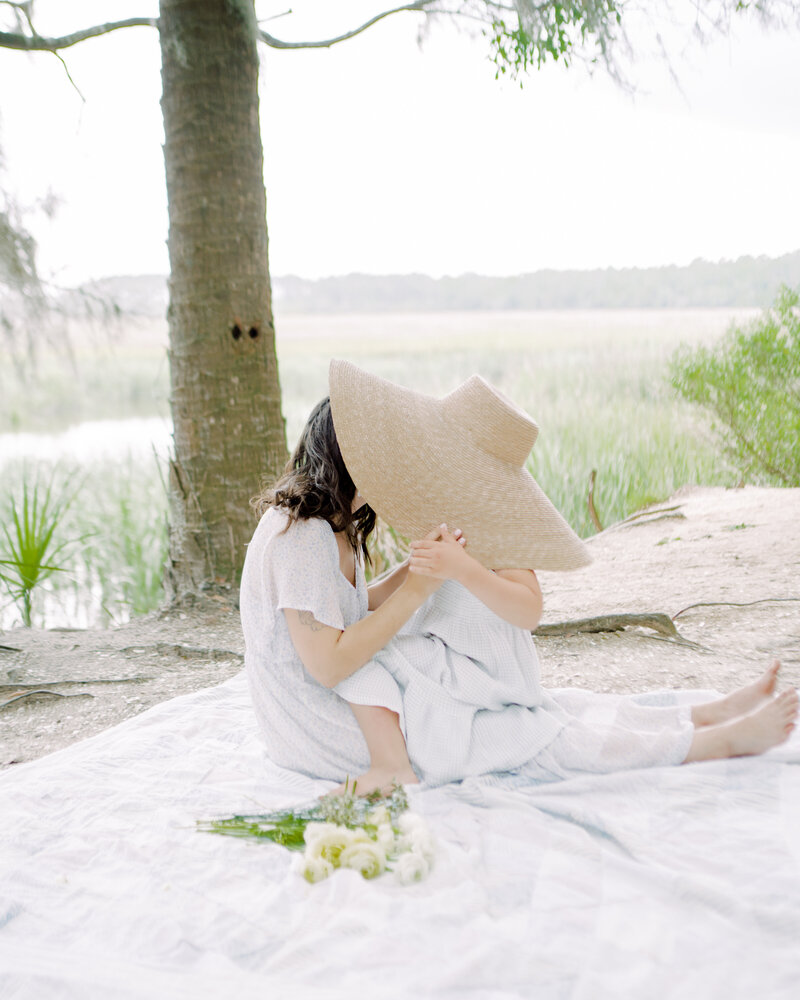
378 779
770 725
740 702
756 733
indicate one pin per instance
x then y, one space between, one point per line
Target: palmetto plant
30 550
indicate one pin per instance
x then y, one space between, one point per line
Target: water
96 440
110 459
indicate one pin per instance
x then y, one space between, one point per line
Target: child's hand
440 555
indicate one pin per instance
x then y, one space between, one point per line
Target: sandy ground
724 564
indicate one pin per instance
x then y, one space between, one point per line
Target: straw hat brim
416 466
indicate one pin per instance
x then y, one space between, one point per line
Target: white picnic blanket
674 882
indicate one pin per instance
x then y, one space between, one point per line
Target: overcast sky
383 157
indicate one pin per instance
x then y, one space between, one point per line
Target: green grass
124 559
596 383
98 388
119 513
105 373
30 549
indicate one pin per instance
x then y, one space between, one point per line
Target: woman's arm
513 594
387 585
330 654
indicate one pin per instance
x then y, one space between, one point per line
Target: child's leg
749 734
740 702
387 750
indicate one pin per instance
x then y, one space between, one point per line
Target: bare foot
770 725
378 779
740 702
756 733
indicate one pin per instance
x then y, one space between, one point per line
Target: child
749 721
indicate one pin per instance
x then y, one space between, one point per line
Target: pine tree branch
276 43
38 43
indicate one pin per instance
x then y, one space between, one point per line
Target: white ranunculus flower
411 867
358 836
312 869
329 844
380 816
423 843
366 857
416 836
409 821
315 830
386 837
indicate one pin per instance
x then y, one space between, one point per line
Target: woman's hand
440 555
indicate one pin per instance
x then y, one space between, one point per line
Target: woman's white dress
464 683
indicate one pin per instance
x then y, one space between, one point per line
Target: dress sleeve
303 566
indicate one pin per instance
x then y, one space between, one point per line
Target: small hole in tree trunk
253 332
236 332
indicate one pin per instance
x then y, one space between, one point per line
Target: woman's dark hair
316 483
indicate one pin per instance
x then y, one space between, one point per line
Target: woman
450 668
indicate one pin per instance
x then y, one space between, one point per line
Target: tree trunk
229 431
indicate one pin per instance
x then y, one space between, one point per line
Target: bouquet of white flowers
372 835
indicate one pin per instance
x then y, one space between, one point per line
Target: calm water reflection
96 439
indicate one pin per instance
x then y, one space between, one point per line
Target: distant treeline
746 282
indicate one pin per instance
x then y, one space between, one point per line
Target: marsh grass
123 565
119 513
387 548
96 372
596 383
96 388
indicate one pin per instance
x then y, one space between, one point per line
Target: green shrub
750 383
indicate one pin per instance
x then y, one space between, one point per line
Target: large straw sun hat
420 461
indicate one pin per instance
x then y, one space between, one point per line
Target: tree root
661 623
649 516
656 621
78 683
17 695
183 652
733 604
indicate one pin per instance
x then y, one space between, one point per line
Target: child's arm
513 594
388 584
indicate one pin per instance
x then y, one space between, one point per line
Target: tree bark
229 431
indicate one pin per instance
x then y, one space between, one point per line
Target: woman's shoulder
280 531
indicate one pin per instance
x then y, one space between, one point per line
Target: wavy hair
316 483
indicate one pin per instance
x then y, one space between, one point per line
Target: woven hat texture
420 461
